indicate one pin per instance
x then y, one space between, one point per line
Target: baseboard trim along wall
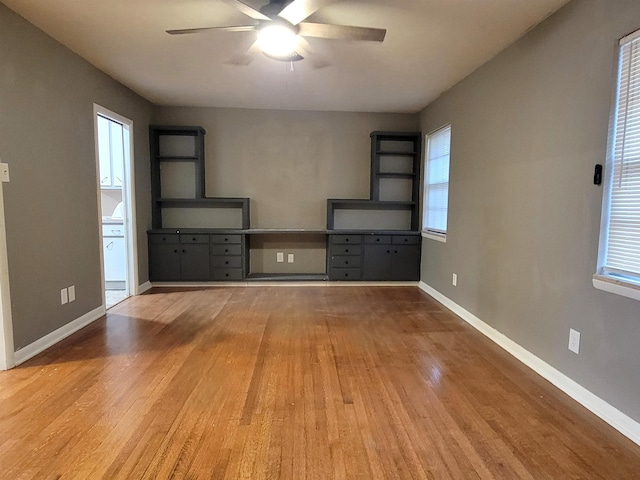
144 287
614 417
54 337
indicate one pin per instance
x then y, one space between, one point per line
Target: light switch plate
574 341
4 172
64 296
72 293
290 258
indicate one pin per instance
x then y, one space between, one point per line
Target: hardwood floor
293 383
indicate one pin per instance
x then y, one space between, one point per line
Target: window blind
436 201
623 233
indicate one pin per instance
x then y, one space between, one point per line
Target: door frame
129 196
7 352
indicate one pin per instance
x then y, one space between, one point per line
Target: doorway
114 144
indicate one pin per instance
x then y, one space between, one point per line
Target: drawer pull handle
110 246
226 274
346 240
346 250
194 239
395 251
346 274
377 239
388 251
406 240
175 251
227 262
226 239
226 250
116 232
346 263
184 251
164 239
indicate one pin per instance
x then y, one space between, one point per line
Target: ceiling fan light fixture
277 40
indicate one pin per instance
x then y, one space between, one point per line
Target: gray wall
528 128
288 163
46 135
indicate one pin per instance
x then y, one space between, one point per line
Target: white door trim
129 201
7 360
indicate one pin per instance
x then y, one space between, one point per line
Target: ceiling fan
281 30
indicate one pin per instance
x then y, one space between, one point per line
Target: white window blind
436 190
622 256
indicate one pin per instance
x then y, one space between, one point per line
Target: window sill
617 285
440 237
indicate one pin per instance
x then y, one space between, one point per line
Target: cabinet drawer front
376 239
345 261
345 274
164 238
227 274
226 249
226 238
406 239
196 238
344 239
226 261
112 230
346 249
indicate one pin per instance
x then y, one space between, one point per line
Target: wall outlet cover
290 258
574 341
280 257
72 293
4 172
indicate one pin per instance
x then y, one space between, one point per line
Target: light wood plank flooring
293 383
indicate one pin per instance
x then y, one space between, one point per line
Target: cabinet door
164 262
194 262
377 262
114 259
405 262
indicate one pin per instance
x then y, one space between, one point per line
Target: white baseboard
144 287
614 417
281 283
54 337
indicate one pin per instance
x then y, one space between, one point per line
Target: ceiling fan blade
246 9
239 28
341 32
244 58
298 10
316 59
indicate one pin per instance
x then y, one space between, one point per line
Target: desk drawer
345 274
226 238
346 239
227 261
222 274
406 239
195 238
345 261
346 249
164 238
377 239
226 250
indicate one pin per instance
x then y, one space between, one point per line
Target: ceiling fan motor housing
274 7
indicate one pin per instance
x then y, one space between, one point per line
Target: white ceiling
430 46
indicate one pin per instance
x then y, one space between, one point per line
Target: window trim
605 279
430 233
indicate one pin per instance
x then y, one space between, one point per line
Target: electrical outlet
72 293
454 280
290 258
64 296
574 341
280 257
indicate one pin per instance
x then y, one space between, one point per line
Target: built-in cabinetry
378 238
200 238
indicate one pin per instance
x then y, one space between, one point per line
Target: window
436 185
619 261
